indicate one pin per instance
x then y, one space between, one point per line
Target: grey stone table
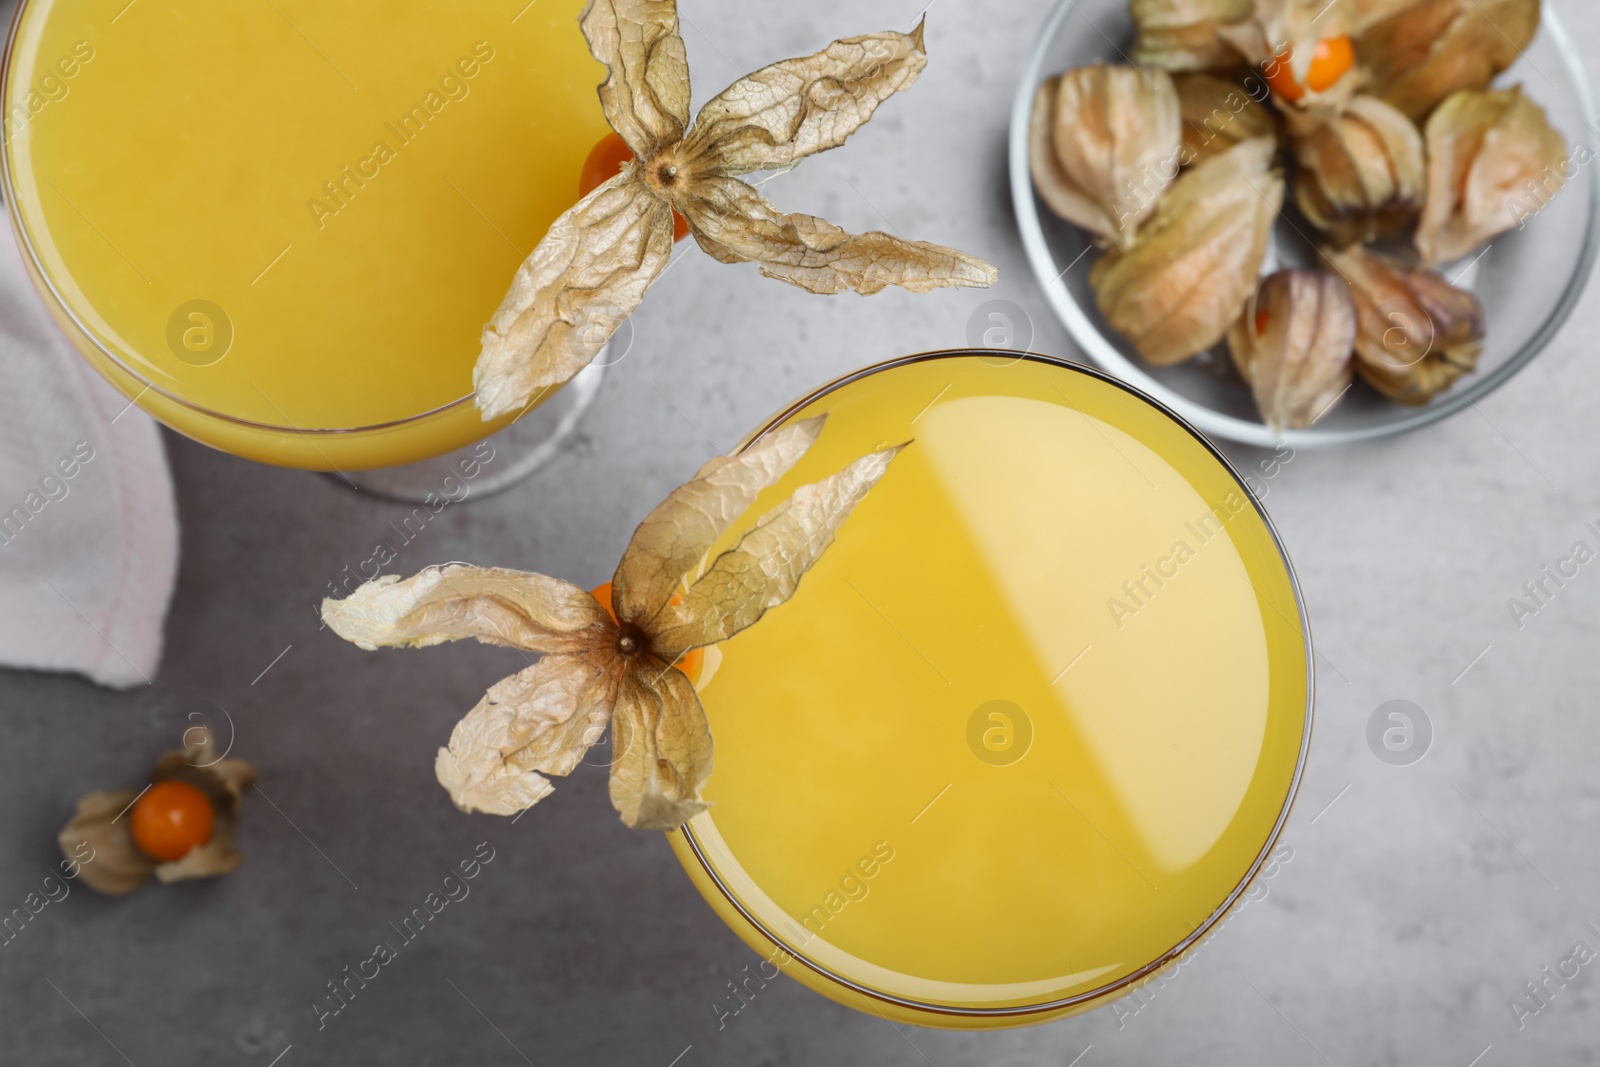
1418 901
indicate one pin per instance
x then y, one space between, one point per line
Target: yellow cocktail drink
1030 726
283 225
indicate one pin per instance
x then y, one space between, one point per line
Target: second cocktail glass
1029 729
280 228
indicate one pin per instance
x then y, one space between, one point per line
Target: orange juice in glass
1031 726
280 227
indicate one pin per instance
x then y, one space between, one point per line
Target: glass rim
1127 982
1094 343
53 293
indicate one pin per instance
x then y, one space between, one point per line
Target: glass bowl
1529 280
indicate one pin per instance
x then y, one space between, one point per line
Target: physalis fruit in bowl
1386 122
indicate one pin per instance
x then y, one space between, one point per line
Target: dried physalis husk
1364 14
1362 175
1433 48
1289 30
1217 114
1182 34
1294 344
1415 332
99 838
617 668
1493 161
1281 38
1179 288
1105 144
1315 110
594 265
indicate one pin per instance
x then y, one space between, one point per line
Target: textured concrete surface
1419 899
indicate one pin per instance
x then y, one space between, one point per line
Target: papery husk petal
675 537
199 753
1055 187
217 856
1362 175
816 255
1180 287
1433 48
1276 27
1416 333
200 756
782 113
588 274
559 749
1287 32
1364 14
233 776
1106 144
540 719
1493 161
1180 35
1298 367
1218 113
1315 110
115 865
662 748
517 609
764 569
714 250
646 91
1304 23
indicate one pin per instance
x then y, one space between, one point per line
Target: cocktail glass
279 228
1031 727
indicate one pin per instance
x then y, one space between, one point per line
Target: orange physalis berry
608 156
170 819
1331 60
691 662
1263 320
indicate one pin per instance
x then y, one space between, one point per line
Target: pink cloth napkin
88 527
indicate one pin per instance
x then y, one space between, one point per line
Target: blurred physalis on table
180 826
